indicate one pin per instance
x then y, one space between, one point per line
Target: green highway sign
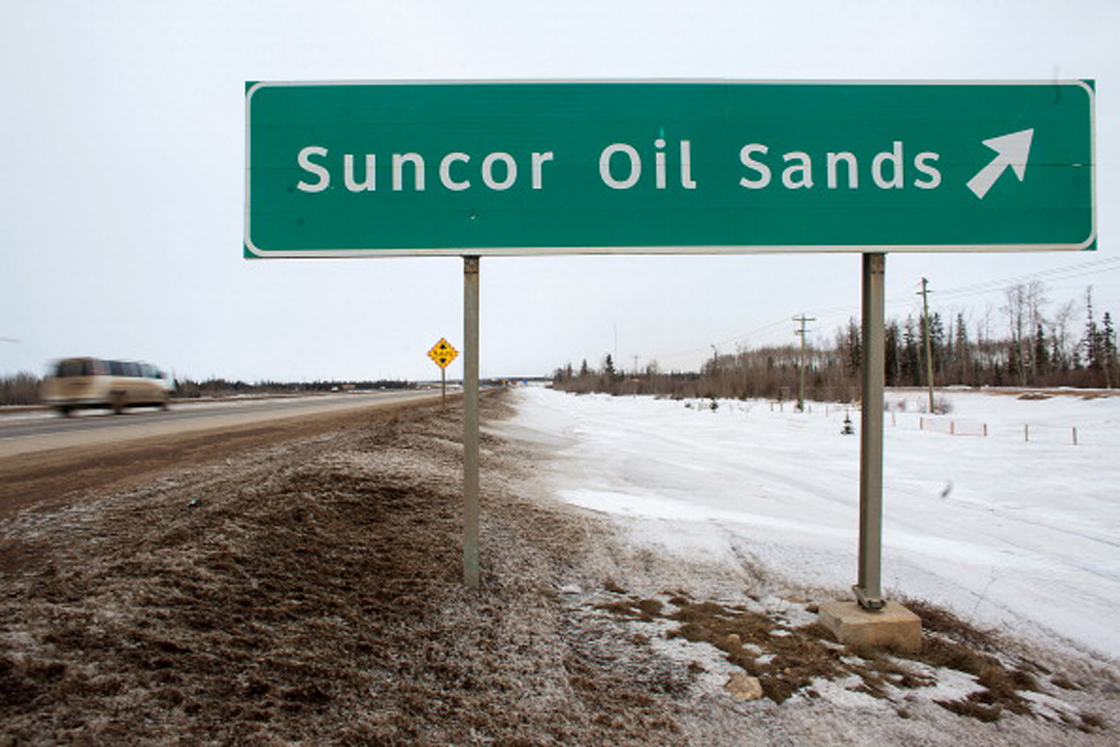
494 168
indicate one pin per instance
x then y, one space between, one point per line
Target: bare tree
1016 308
1059 332
1036 300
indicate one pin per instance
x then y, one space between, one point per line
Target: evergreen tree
891 353
1041 355
911 358
937 341
1108 349
562 375
1015 362
853 352
1092 341
961 351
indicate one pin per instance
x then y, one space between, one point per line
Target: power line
1060 273
1082 269
736 338
1069 272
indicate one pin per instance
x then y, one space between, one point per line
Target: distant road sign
442 353
380 169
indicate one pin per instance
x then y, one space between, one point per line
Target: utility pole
929 346
801 359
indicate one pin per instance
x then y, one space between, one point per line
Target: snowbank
1006 532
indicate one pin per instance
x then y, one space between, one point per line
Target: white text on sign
621 167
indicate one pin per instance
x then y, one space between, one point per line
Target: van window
75 367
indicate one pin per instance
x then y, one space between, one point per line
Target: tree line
1029 344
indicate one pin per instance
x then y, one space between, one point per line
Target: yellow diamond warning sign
442 353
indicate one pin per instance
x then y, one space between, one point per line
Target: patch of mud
309 592
793 656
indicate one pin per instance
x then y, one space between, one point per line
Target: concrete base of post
893 627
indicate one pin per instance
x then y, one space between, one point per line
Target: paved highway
32 432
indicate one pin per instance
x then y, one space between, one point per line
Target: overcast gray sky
122 191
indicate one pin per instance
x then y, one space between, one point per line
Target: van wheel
117 403
165 403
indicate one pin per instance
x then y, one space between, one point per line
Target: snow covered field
1009 533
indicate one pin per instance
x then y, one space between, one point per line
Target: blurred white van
92 382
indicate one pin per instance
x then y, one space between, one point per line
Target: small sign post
443 353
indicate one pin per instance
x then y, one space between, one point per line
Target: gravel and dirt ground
304 587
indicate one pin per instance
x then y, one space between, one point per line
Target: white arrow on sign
1011 150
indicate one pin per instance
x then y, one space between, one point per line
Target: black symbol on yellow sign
442 353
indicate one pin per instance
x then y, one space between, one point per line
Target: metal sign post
869 590
470 421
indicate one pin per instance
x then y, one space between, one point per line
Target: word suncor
621 166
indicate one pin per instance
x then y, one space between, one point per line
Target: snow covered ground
1009 533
